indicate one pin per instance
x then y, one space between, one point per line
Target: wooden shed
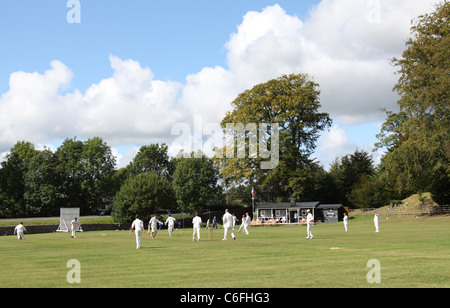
330 212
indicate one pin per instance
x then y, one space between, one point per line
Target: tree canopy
417 138
292 103
153 158
195 182
142 195
78 174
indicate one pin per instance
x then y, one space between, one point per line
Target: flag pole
253 202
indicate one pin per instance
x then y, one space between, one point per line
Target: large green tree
292 103
86 170
42 196
348 172
78 174
195 182
12 179
418 136
99 164
142 195
152 158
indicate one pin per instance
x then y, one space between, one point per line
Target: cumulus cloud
209 93
266 45
128 108
33 108
352 43
334 143
346 46
123 158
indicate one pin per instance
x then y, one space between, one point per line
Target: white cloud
129 107
346 46
125 157
209 94
351 43
33 109
333 144
267 44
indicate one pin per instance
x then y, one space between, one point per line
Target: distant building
295 212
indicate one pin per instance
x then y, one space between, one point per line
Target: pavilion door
293 217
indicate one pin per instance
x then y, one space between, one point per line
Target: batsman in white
234 221
153 225
345 222
197 224
309 223
170 222
376 222
19 230
74 224
246 222
138 227
227 225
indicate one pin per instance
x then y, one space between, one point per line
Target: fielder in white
74 224
19 230
234 221
196 224
138 227
309 223
170 222
345 222
153 225
242 223
376 222
227 225
246 222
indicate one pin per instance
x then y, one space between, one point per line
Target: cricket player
227 225
197 224
309 223
376 222
246 222
242 223
19 230
74 224
138 227
170 222
345 222
153 225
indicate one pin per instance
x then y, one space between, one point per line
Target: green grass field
413 252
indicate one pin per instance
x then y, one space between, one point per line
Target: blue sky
131 70
173 38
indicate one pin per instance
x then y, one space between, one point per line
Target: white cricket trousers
308 231
21 235
226 231
170 230
245 229
138 238
196 230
